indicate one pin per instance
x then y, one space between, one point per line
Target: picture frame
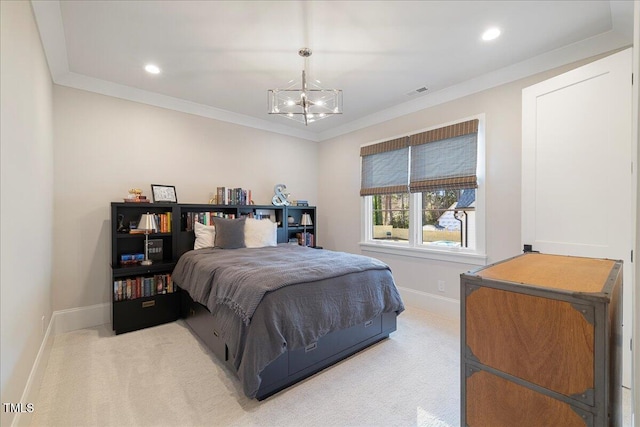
164 193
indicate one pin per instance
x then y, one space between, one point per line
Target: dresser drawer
303 358
326 346
360 332
141 313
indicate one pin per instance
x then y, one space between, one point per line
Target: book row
141 286
163 223
205 218
231 196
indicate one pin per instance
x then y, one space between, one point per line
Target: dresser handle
311 347
146 304
368 323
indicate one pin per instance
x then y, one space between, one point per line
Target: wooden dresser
541 342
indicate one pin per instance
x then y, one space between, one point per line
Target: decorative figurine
121 228
281 196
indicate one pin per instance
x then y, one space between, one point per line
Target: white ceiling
218 58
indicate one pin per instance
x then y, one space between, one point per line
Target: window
390 216
448 218
423 192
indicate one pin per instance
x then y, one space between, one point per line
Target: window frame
414 247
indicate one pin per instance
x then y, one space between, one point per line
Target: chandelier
305 101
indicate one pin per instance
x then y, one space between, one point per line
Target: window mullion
415 219
367 218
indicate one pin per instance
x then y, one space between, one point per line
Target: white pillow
205 235
259 233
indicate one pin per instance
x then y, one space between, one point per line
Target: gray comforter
268 300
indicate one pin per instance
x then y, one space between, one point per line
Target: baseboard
81 318
61 321
32 388
443 306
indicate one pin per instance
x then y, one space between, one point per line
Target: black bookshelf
142 295
134 309
295 231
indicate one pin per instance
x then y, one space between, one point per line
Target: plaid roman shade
444 158
385 167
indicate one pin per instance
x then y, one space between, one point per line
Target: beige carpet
163 376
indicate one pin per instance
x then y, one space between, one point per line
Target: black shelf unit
145 311
134 311
185 241
294 229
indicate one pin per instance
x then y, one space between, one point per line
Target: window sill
449 254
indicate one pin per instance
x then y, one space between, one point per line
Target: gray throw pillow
229 233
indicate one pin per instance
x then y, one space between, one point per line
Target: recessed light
152 69
490 34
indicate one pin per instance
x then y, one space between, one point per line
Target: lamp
147 223
304 221
309 102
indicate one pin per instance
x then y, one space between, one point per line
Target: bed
276 313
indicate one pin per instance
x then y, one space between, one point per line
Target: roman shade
444 158
385 167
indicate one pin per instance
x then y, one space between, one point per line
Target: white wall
26 143
105 146
339 185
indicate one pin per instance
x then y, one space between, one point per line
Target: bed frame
293 365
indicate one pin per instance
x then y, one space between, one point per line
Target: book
155 249
147 287
138 287
159 286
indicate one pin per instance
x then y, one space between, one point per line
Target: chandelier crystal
305 101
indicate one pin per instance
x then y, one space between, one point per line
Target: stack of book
305 239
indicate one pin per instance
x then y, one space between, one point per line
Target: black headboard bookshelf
187 213
181 237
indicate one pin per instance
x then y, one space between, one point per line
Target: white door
577 169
